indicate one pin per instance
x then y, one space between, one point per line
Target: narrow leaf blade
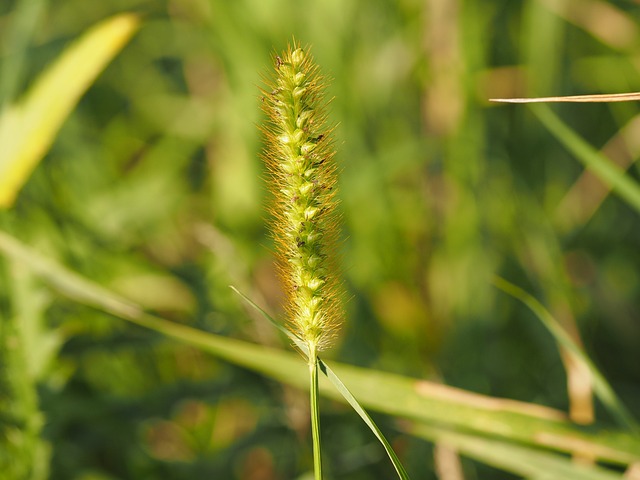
395 395
601 386
522 460
344 391
351 400
606 170
296 341
598 98
28 128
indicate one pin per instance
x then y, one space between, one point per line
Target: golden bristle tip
302 177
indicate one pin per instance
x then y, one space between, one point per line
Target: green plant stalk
299 158
340 387
315 415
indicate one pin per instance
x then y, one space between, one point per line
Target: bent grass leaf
418 401
28 127
601 386
351 400
293 337
610 173
522 460
604 168
341 387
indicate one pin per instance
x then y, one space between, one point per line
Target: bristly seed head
299 156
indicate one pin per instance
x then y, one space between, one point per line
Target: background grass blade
296 341
28 128
404 397
600 384
607 171
524 461
351 400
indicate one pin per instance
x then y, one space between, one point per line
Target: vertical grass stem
315 415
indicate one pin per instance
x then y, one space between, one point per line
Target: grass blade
597 98
341 387
606 170
296 341
600 385
395 395
348 396
524 461
28 128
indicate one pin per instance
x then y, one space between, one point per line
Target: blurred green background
154 188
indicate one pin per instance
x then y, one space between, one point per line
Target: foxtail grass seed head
302 177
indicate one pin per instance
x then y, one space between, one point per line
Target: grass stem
315 414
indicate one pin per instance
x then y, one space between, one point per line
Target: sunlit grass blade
532 463
348 396
395 395
600 385
606 170
28 127
294 338
337 383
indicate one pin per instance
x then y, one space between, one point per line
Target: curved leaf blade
605 169
417 400
532 463
341 387
600 384
28 128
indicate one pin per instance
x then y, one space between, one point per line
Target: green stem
315 413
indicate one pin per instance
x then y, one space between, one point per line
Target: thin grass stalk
302 177
315 416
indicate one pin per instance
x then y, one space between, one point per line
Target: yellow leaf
28 128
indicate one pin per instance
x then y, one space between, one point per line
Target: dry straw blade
28 127
599 98
610 173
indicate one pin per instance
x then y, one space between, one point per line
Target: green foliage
419 401
151 193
